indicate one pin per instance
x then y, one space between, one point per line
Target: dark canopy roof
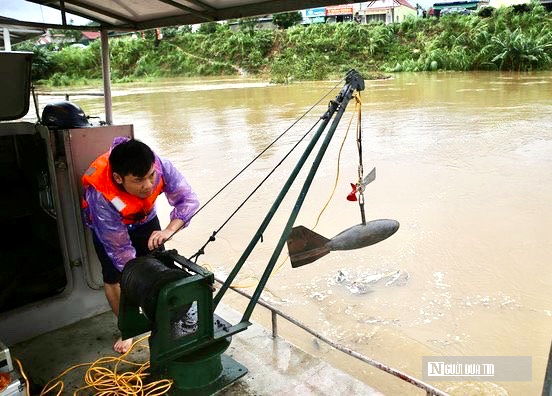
147 14
17 33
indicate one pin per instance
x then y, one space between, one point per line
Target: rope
212 237
27 391
360 167
251 162
337 169
358 105
108 382
334 187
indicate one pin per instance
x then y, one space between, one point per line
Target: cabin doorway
32 266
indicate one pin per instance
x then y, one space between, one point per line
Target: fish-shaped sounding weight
306 246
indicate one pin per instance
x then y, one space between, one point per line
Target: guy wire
212 237
260 154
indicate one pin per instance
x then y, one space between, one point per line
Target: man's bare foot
122 346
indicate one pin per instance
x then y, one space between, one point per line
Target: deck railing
275 312
67 95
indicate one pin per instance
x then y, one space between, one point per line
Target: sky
25 11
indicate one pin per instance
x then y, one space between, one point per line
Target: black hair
131 158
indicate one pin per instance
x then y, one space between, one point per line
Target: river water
464 163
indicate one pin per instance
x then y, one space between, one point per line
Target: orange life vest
133 209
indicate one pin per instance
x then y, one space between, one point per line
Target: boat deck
275 366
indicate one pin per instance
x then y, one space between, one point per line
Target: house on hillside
339 13
62 37
88 37
260 22
314 15
49 37
386 11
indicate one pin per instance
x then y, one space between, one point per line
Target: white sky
30 12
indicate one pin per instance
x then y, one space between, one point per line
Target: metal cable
267 147
212 237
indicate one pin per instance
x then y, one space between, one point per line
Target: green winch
176 305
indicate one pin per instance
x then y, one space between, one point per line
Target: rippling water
464 163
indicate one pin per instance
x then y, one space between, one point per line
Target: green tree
184 29
42 59
247 25
208 28
285 20
168 32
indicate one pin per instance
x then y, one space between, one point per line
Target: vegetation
512 38
286 20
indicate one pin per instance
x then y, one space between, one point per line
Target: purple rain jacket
106 221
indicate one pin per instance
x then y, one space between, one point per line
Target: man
120 190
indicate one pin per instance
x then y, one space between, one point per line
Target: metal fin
369 178
305 246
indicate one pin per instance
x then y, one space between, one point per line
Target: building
260 22
88 37
468 5
385 11
314 15
340 13
54 38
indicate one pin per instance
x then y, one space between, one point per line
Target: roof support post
7 39
63 16
106 73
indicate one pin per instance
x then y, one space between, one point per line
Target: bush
286 20
486 12
42 59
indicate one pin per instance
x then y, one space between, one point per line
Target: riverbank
508 38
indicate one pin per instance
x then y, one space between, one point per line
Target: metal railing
66 95
275 312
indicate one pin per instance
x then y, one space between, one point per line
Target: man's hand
157 238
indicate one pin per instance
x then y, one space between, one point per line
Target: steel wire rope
360 165
358 105
212 237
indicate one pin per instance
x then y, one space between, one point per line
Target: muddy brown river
464 163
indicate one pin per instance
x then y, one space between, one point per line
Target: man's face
141 187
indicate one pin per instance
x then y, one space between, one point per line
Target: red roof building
90 36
